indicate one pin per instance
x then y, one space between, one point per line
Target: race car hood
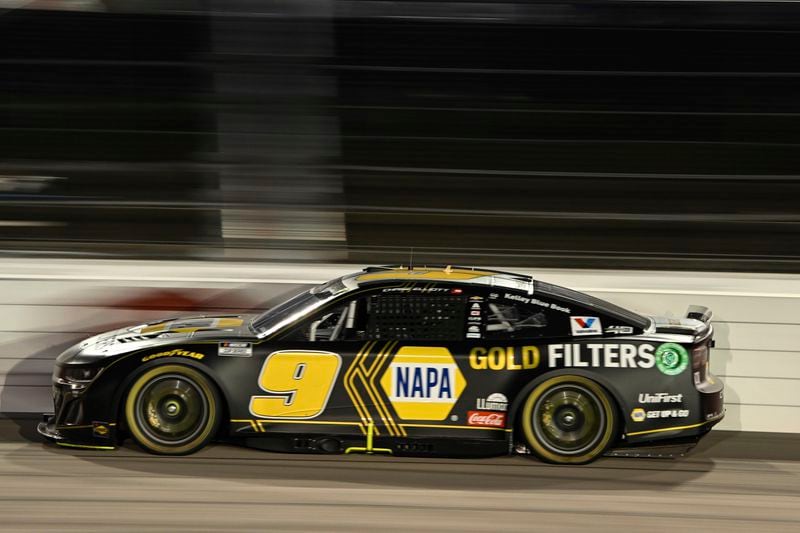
157 333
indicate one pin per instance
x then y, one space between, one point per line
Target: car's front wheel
568 420
172 410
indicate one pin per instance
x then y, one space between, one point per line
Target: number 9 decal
299 384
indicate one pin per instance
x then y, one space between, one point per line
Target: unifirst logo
600 355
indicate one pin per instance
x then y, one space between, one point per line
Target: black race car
426 361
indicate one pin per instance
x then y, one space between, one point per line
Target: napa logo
423 382
585 325
430 383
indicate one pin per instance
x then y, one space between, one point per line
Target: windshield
297 305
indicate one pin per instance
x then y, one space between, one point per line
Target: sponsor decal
530 300
585 325
486 418
474 331
236 349
191 325
660 397
600 356
426 290
619 330
638 415
668 413
671 358
504 358
100 429
496 401
423 382
427 382
173 353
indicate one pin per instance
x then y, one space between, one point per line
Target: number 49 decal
299 384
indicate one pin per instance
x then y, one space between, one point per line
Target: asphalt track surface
731 482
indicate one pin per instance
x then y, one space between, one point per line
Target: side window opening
510 318
344 322
511 315
387 316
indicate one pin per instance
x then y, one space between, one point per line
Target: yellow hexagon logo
423 382
638 415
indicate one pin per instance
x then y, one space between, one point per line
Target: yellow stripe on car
455 274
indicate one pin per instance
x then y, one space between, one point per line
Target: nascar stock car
445 361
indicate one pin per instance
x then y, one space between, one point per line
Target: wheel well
119 409
613 394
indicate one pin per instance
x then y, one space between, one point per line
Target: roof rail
443 266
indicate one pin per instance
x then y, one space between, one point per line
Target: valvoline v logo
585 325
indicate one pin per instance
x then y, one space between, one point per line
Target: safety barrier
49 304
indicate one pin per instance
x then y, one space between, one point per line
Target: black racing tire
173 410
568 420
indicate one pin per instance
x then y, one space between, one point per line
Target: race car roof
494 278
480 276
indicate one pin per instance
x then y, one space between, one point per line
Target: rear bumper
711 411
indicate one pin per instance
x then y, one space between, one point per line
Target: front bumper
71 424
47 428
95 436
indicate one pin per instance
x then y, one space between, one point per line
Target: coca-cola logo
486 418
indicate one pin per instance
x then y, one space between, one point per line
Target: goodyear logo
423 383
173 353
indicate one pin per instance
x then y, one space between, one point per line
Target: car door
504 349
304 374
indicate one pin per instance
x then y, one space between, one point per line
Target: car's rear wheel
172 410
568 420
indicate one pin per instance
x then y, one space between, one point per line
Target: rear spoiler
699 312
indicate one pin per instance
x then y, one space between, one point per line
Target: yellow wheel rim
171 409
568 419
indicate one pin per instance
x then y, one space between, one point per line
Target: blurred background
171 157
556 134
